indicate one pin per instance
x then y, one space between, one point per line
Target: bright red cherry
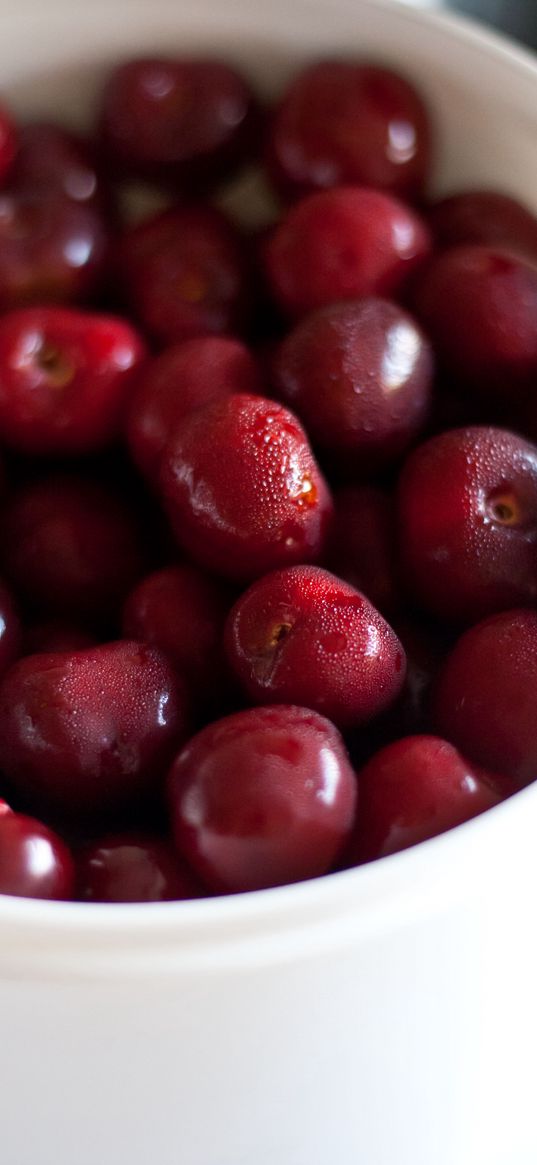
361 544
484 216
261 798
344 122
65 378
302 636
412 790
359 376
177 381
9 629
242 489
467 518
132 867
342 244
485 698
183 273
34 861
86 732
8 143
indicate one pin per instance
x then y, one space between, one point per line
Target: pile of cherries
219 672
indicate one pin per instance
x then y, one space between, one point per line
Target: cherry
412 790
485 699
302 636
186 122
8 143
34 861
182 611
84 733
132 867
65 378
9 629
180 379
56 635
71 546
343 122
484 216
361 547
342 244
242 490
261 798
359 376
479 306
467 518
183 273
54 160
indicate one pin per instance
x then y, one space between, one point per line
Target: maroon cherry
343 122
8 143
184 122
9 629
242 489
361 544
183 274
261 798
467 518
484 216
412 790
180 379
486 696
71 546
56 635
479 308
342 244
65 378
54 160
34 861
83 733
132 867
359 376
302 636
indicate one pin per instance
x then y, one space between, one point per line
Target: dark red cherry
132 867
261 798
55 160
56 635
10 632
484 216
34 861
361 545
8 143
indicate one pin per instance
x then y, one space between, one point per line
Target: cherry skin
8 143
467 521
302 636
71 546
242 490
342 244
56 161
479 307
183 273
359 376
34 861
132 867
485 699
183 122
413 790
84 733
484 216
65 378
177 381
343 122
10 632
262 798
56 635
361 544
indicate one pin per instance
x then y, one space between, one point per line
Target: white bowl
382 1016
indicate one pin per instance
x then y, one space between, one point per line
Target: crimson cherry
342 244
359 376
10 633
65 378
361 544
302 636
261 798
344 122
84 733
54 160
132 867
484 216
467 520
242 489
8 143
34 861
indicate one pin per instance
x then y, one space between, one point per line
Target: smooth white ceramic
384 1016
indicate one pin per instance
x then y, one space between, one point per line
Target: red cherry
467 516
184 274
132 867
34 861
361 545
86 732
8 143
242 489
342 244
65 378
55 635
302 636
261 798
485 699
54 160
9 629
484 216
342 122
179 380
412 790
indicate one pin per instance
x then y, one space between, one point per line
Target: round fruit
132 867
34 861
484 216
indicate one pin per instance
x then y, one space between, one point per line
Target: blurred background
516 17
